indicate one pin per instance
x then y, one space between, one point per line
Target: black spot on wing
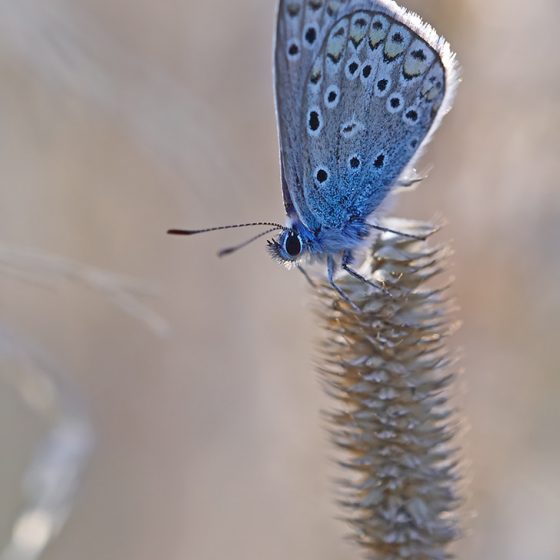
382 85
321 175
412 115
293 49
310 35
314 121
419 54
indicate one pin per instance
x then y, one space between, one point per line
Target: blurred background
158 402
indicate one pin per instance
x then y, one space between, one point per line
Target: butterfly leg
347 259
388 230
307 277
331 269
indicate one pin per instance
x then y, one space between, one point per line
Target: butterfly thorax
297 241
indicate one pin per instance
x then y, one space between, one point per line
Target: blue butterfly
361 85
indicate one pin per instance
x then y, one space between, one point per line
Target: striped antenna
196 231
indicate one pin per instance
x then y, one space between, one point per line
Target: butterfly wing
355 105
301 29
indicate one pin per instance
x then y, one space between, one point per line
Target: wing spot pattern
377 32
396 44
314 122
332 8
358 28
316 75
433 83
379 161
352 68
411 116
310 35
321 175
293 50
332 96
395 103
354 162
336 43
382 87
351 128
293 9
417 61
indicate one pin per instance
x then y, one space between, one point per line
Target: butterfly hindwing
356 105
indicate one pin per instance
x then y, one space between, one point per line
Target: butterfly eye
292 244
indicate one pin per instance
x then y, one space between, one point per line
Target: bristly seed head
388 367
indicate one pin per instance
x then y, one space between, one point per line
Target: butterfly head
287 247
292 243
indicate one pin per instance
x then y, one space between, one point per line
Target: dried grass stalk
389 369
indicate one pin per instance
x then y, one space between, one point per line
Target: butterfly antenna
196 231
230 250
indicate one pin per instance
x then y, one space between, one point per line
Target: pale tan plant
51 481
389 368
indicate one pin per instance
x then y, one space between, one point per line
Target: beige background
119 119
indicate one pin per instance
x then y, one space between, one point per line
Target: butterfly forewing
368 84
301 27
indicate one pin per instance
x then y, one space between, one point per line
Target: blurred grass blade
124 292
52 479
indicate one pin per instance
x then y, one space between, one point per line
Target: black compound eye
293 244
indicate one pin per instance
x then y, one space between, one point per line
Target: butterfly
361 85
